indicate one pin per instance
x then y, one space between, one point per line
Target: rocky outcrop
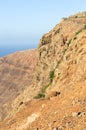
57 45
59 82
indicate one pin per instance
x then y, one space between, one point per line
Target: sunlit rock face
56 97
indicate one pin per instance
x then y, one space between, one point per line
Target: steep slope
55 44
60 81
16 74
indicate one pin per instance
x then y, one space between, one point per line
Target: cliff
56 99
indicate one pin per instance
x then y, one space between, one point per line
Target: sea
8 49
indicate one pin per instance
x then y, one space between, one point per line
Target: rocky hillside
16 74
59 84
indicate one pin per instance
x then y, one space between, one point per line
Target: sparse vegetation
43 89
40 95
69 42
78 31
58 63
85 26
51 75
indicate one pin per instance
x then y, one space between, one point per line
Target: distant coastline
6 50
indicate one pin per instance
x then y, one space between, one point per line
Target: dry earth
59 80
16 74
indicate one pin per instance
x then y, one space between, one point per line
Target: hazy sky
23 22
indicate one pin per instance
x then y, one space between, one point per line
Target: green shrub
43 89
40 95
85 26
79 31
69 42
51 75
58 63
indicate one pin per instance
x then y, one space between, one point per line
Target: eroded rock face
16 74
60 74
62 45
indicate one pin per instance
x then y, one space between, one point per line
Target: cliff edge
58 100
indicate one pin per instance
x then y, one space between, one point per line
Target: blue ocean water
8 49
